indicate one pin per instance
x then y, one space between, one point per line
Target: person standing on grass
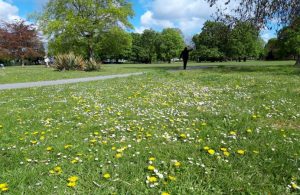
185 56
47 60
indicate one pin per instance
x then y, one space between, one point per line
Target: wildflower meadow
225 130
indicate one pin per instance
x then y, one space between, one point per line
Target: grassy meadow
17 74
223 130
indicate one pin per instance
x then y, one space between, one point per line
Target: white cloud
188 15
8 12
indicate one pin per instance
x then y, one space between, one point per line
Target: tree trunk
298 61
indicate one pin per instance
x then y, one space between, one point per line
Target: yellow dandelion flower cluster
72 181
56 171
3 187
106 176
151 168
152 179
49 148
241 152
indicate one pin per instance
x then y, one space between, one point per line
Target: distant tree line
100 31
220 42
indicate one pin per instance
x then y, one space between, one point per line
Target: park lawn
16 74
226 130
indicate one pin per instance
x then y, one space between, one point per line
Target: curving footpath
62 82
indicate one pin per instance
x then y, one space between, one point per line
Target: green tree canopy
78 25
116 44
289 40
171 43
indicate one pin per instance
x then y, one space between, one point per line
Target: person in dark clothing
185 56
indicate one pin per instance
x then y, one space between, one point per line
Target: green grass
17 74
171 116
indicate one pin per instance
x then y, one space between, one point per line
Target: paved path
62 82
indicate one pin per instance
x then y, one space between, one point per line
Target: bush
68 62
92 65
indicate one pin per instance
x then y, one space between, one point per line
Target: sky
187 15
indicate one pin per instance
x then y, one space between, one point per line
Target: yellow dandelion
295 186
33 142
71 184
206 148
177 164
68 146
74 161
223 149
3 187
152 159
226 153
152 179
151 168
58 169
211 151
49 149
165 193
119 155
172 178
73 179
241 152
232 133
106 176
183 136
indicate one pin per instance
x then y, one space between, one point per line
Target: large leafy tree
171 43
19 41
212 42
289 40
260 12
244 41
148 42
78 25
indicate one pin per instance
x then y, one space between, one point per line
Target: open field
231 130
40 73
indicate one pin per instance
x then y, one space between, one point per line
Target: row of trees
19 41
97 29
219 41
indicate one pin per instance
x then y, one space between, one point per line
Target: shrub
92 65
69 62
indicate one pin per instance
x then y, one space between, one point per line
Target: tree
289 40
260 12
116 43
171 43
272 49
78 25
149 45
244 41
19 41
212 42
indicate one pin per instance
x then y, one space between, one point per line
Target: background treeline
19 43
